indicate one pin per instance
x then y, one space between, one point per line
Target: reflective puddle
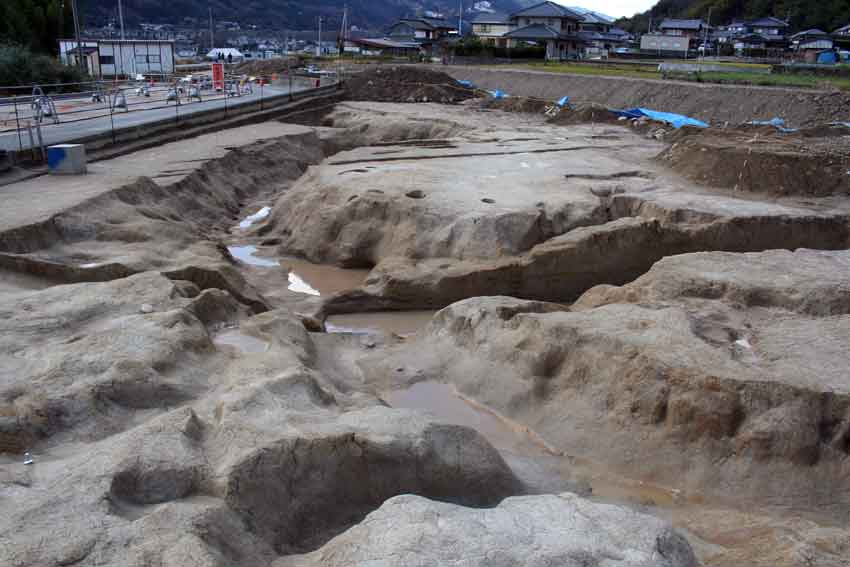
246 254
258 216
443 402
304 277
402 323
321 278
239 340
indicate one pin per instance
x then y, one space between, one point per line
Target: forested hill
827 15
288 14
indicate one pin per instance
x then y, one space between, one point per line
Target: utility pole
212 33
121 18
77 33
705 35
460 19
319 45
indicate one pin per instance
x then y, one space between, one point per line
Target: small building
813 40
381 47
111 58
228 54
662 44
492 28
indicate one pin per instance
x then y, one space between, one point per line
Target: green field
719 77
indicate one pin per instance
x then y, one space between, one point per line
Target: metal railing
42 115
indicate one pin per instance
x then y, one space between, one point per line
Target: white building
119 57
228 54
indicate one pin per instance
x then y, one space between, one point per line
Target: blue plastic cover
467 84
563 101
675 120
498 94
827 58
777 123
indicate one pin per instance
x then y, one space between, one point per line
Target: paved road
66 132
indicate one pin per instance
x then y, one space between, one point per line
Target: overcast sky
614 8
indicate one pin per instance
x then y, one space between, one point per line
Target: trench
344 312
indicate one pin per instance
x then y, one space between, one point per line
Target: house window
484 28
550 22
154 59
107 60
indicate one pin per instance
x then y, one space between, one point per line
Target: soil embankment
712 103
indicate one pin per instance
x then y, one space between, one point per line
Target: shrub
20 66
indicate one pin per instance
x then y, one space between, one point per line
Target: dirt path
716 103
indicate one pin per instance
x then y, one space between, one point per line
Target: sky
613 8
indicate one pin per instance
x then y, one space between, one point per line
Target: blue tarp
467 84
564 101
777 123
498 94
827 58
675 120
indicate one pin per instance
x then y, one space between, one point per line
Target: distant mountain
802 14
288 14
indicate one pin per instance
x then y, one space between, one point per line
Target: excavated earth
208 359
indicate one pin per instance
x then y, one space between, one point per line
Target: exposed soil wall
716 103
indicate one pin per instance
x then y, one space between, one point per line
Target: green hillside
827 15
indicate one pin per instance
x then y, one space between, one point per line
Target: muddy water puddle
402 323
444 402
304 277
245 344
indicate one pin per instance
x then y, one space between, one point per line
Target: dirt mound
405 84
268 66
518 104
761 159
584 113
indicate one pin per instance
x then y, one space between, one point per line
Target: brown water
239 340
322 278
443 402
447 404
304 277
401 323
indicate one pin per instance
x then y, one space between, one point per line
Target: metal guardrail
28 129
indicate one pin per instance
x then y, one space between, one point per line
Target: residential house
692 29
548 24
599 35
491 28
422 30
809 44
771 28
841 37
